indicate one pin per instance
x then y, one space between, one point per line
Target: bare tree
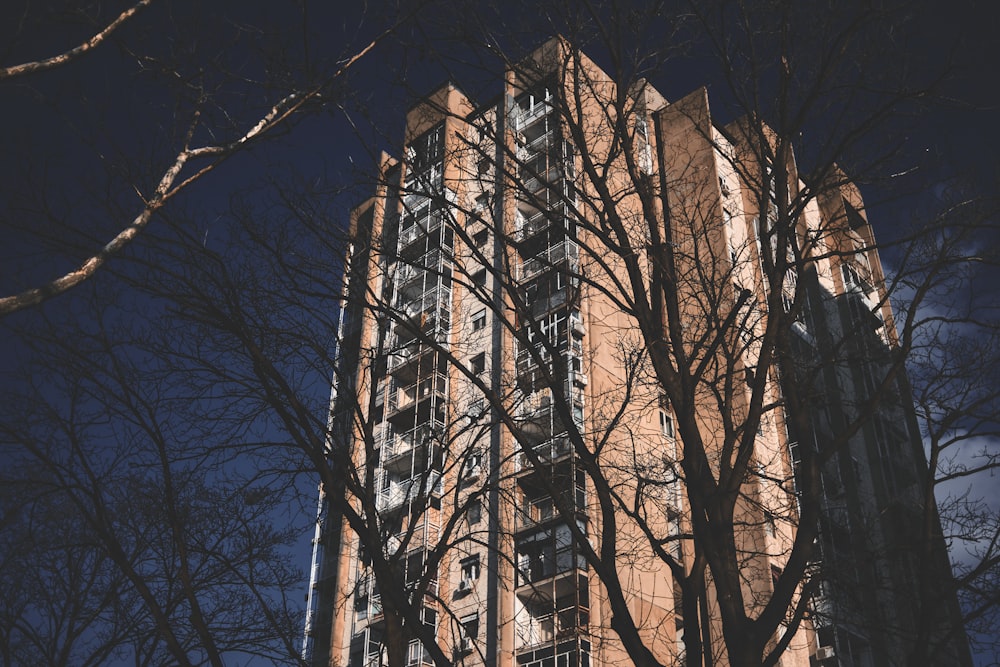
211 119
150 541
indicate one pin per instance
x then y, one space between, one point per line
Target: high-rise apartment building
516 439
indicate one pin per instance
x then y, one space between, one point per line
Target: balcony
382 434
411 269
423 306
419 538
535 180
529 224
560 625
540 511
406 397
566 295
563 255
551 451
433 326
570 653
406 354
417 225
407 272
398 444
404 492
528 114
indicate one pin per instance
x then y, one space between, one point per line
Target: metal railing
401 398
552 257
406 491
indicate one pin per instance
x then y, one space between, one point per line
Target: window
476 409
666 424
416 654
480 238
674 536
482 202
469 632
479 320
479 277
478 363
475 512
470 568
723 186
473 466
727 219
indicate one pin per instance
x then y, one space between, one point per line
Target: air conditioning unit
825 653
464 586
580 379
464 645
473 473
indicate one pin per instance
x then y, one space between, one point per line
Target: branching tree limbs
74 53
194 157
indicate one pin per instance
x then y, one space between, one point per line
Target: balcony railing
408 270
424 535
558 625
435 326
539 511
426 303
413 229
533 182
406 491
549 451
524 116
408 396
529 225
397 444
564 255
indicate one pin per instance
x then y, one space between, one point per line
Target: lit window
479 320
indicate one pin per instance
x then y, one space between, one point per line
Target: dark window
478 363
479 320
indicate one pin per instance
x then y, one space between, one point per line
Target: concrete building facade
498 390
